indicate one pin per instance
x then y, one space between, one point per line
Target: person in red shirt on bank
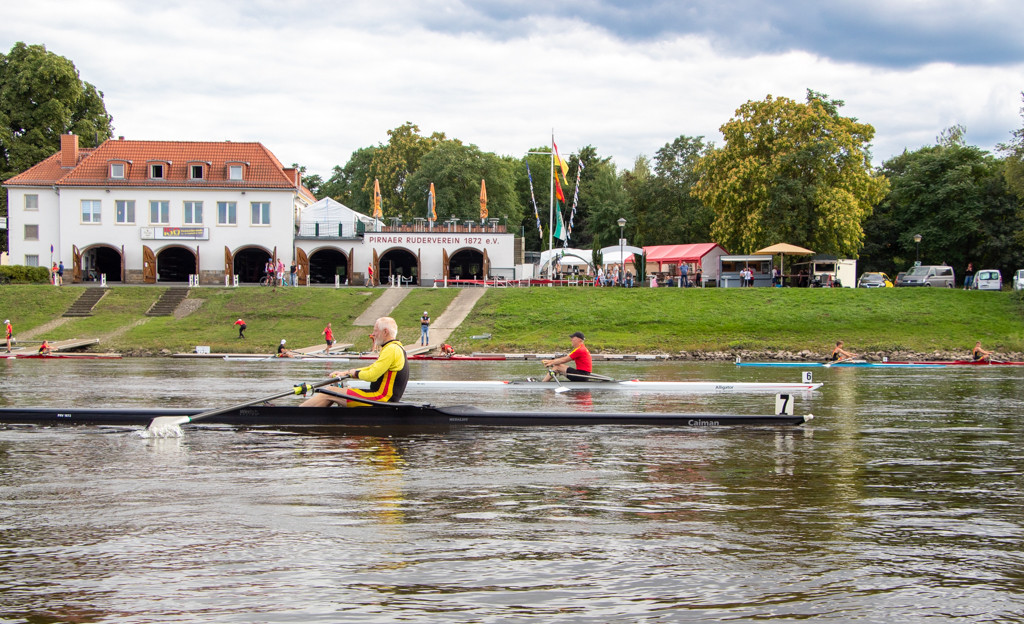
579 356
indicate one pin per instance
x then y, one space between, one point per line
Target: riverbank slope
678 322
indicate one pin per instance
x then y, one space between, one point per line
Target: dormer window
117 171
234 172
156 171
197 170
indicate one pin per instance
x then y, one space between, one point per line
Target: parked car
987 279
899 278
930 275
874 280
1018 280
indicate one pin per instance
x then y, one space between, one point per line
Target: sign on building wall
175 233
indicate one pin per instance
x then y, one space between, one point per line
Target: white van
822 269
988 279
925 275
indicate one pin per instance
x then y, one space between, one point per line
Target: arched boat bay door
148 265
301 265
76 265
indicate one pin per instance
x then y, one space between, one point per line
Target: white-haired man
388 375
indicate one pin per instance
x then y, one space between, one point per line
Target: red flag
558 191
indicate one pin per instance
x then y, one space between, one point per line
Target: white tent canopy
567 256
325 216
613 254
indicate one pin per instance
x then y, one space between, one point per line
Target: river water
900 502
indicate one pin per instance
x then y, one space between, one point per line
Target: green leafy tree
791 172
956 197
456 171
394 162
1014 152
608 201
41 98
665 208
347 184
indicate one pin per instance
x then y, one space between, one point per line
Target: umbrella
431 208
483 201
782 249
377 212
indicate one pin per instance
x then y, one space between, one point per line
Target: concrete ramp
382 306
454 314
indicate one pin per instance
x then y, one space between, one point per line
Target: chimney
294 176
68 150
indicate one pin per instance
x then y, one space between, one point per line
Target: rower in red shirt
579 356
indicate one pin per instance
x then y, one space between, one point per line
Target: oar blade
167 426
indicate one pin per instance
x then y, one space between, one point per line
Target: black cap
577 335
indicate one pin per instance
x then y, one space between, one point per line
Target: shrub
20 274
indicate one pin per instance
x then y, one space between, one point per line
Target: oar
162 425
829 364
560 389
596 377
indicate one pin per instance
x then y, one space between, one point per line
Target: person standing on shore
10 334
60 273
328 337
293 272
424 329
241 328
969 276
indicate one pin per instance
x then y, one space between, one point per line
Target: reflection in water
900 502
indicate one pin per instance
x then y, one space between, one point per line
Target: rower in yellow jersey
388 375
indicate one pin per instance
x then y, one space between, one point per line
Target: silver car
1018 280
988 279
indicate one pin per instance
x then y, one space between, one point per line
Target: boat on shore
61 356
385 418
888 364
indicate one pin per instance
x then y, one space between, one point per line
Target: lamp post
917 242
622 251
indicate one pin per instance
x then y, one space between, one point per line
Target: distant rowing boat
394 418
361 356
61 356
632 385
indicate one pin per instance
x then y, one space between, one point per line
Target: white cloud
315 81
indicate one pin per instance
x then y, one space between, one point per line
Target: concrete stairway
84 304
169 301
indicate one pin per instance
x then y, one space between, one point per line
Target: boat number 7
784 404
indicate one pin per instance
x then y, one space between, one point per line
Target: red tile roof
262 169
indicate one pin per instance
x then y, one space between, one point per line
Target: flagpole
551 199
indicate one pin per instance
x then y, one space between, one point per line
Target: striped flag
533 200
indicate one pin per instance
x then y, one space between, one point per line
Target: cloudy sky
314 80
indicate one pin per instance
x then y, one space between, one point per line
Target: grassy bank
539 319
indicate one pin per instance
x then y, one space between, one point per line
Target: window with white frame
31 202
156 171
117 171
193 212
124 211
226 213
234 172
159 212
196 172
260 213
31 232
32 260
90 211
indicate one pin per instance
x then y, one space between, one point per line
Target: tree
664 206
1014 152
456 171
346 184
41 98
394 162
791 172
956 197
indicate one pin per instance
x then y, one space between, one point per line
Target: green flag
559 226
